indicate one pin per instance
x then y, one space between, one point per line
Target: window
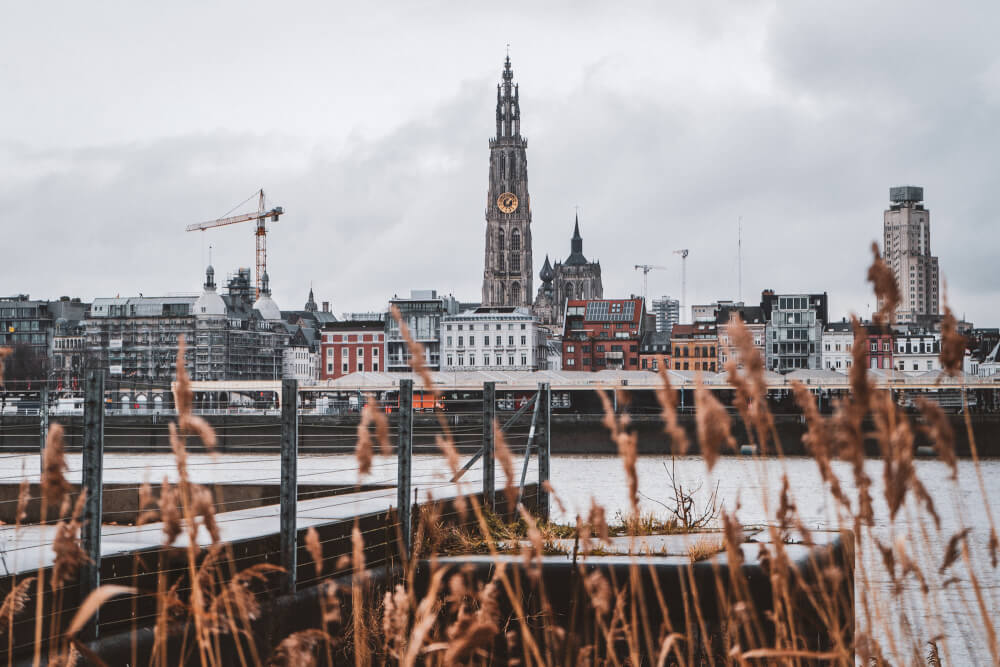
510 361
343 368
499 361
449 340
375 353
451 360
524 340
472 341
510 340
461 341
570 349
499 338
344 354
472 360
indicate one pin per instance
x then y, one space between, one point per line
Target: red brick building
602 334
880 346
352 347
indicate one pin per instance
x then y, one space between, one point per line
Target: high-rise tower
507 270
907 249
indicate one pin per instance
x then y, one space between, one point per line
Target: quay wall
571 433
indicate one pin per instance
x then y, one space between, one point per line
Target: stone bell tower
507 270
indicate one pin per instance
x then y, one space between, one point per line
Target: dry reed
886 290
4 353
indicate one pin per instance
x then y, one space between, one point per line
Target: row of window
601 361
699 351
571 349
486 360
692 366
486 341
486 327
352 338
345 367
345 353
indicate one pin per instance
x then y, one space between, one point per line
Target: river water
746 485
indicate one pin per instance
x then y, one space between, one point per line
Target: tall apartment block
668 313
907 250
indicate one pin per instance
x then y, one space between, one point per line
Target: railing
523 440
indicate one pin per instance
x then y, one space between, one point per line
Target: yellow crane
260 233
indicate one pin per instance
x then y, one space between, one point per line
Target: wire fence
251 493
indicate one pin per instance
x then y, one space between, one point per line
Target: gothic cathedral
507 272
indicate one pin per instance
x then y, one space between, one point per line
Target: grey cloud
850 101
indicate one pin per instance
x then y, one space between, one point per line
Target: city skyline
106 193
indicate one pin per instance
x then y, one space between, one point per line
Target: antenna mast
739 258
684 255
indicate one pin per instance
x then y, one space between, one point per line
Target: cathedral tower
507 271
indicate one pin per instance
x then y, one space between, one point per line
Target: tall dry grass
731 603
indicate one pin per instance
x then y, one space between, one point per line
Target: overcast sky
121 123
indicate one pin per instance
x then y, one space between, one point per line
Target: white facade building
497 338
917 352
990 365
300 363
838 339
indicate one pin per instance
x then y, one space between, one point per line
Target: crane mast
646 268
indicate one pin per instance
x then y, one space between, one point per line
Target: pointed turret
547 273
311 303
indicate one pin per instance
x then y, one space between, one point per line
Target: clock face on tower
507 202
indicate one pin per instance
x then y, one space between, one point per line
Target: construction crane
646 268
684 255
260 232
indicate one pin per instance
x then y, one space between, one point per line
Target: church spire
508 104
576 243
311 303
576 257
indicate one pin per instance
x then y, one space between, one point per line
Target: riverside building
794 330
491 338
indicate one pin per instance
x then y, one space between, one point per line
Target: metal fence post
544 447
93 486
43 423
289 480
404 466
489 459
